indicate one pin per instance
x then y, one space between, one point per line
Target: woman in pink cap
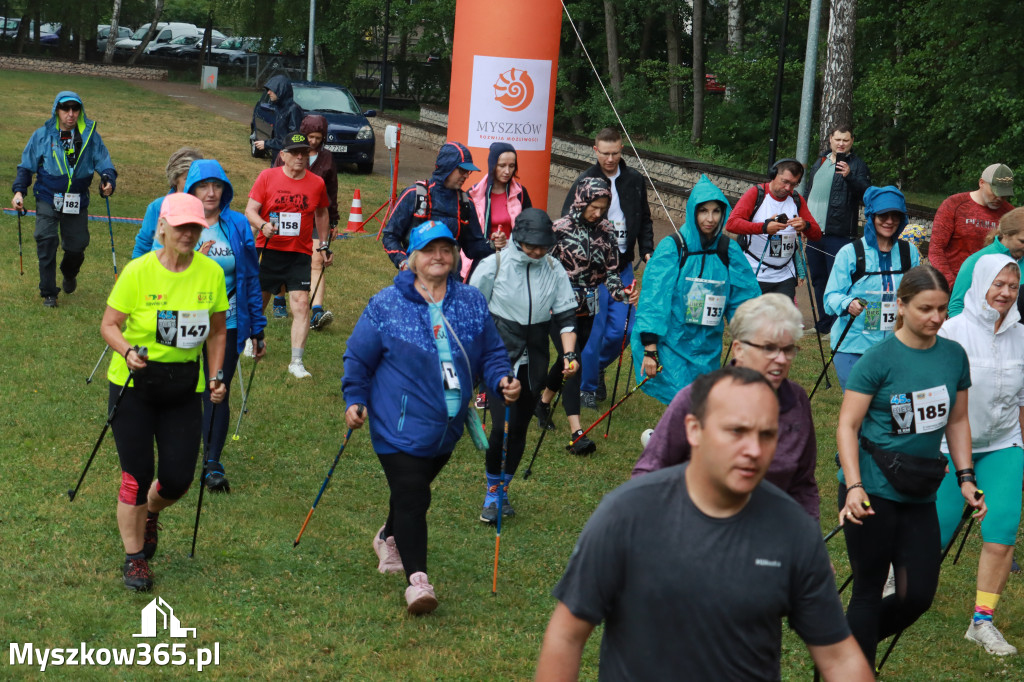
169 302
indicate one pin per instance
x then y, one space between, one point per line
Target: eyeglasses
69 107
771 350
889 216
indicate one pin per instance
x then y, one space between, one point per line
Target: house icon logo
158 614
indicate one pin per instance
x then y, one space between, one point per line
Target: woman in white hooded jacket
994 342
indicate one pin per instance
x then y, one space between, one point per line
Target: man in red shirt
964 220
284 204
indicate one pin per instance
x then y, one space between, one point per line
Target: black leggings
222 415
409 479
554 382
520 413
907 536
175 427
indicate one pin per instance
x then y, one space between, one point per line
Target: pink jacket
480 196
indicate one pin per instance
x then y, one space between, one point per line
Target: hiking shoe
419 596
50 301
588 399
280 310
387 553
481 401
543 414
69 284
489 514
985 633
215 480
137 575
298 370
602 390
582 444
150 539
890 584
321 319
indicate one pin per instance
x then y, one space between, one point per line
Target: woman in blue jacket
865 278
177 170
228 241
411 361
693 283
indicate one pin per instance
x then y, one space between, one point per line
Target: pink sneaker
420 595
387 552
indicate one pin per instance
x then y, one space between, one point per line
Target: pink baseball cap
181 208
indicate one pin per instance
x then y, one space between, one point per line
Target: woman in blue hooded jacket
229 242
689 290
411 361
177 170
869 288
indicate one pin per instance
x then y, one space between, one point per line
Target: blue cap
69 98
424 233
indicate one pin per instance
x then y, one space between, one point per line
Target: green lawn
319 611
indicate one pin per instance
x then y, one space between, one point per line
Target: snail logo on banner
509 102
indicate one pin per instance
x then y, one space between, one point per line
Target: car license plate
336 148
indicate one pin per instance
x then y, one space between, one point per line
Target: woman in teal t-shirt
904 394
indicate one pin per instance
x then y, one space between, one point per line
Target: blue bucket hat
424 233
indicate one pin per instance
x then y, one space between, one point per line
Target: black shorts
289 268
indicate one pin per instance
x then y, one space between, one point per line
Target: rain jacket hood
209 169
495 152
282 87
314 123
449 157
588 191
71 97
702 192
976 308
882 200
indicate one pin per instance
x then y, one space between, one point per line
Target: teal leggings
999 474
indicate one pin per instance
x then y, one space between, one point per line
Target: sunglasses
69 107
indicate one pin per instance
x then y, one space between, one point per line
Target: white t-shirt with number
781 246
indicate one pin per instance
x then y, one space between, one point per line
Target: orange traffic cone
355 215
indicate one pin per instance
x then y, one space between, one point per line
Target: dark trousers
786 287
174 427
409 480
820 257
222 415
520 413
54 229
554 382
906 536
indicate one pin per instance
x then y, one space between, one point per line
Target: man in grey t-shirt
692 568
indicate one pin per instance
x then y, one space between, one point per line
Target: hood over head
209 169
314 123
496 150
588 190
450 156
976 307
882 200
703 192
281 86
68 96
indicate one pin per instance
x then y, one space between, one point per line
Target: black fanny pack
167 382
910 475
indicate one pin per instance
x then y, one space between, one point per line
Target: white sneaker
297 370
890 584
986 634
249 352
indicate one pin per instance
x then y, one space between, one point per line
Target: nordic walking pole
319 279
839 344
963 540
501 497
543 432
832 533
968 514
814 307
618 368
110 228
323 487
143 353
102 355
260 344
202 468
21 261
610 410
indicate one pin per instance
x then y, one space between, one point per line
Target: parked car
103 33
192 50
166 32
350 137
173 48
236 51
172 32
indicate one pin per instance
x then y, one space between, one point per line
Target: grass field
319 611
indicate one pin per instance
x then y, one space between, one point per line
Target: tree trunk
150 34
612 36
698 72
108 54
837 90
734 38
675 88
645 40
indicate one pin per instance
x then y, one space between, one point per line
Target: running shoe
280 310
298 370
50 301
150 538
419 596
390 561
69 284
985 633
489 513
321 319
543 414
588 399
137 575
580 444
216 481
